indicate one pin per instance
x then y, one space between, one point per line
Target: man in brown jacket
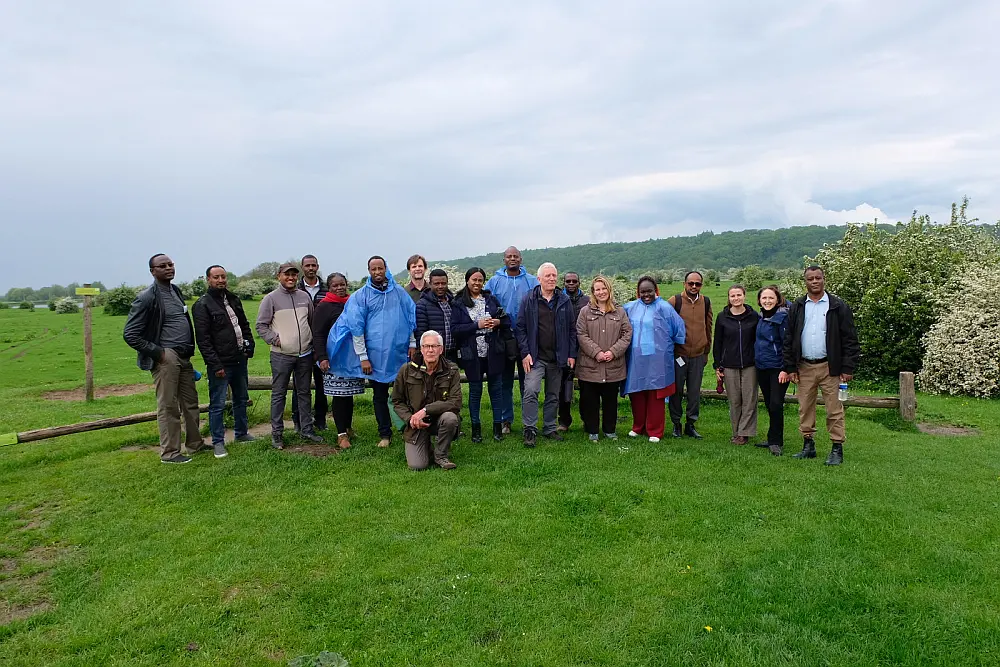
691 357
428 397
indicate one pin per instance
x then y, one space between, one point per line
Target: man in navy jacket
546 338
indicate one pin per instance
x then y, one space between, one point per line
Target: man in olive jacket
428 397
226 342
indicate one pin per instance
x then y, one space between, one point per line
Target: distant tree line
44 294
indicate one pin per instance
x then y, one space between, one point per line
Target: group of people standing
410 343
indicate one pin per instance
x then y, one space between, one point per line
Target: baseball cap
288 266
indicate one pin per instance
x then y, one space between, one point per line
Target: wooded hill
777 248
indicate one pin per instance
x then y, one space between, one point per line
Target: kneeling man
427 395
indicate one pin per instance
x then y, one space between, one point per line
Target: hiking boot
246 437
677 430
690 432
384 442
529 437
477 433
592 437
343 441
220 450
179 458
808 449
836 456
445 464
497 431
562 428
505 430
555 435
777 450
313 438
276 442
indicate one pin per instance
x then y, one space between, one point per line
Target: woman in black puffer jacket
733 358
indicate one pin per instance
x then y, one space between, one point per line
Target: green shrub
894 282
963 346
66 305
251 288
199 287
52 304
118 301
4 305
26 305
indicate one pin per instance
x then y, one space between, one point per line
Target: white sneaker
633 434
653 438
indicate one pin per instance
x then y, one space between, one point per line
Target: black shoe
246 437
320 426
777 450
312 437
836 456
808 449
277 442
179 458
555 435
690 432
529 437
477 433
497 431
677 430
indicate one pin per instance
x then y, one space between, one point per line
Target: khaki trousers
811 378
418 448
741 390
176 396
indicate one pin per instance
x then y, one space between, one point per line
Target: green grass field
616 553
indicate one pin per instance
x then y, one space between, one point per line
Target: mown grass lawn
575 553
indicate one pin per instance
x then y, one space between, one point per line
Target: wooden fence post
907 397
88 345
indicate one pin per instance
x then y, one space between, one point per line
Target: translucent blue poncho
386 320
656 328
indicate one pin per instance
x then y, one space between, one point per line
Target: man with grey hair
546 338
427 396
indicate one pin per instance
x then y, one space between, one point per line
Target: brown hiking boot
384 442
343 441
445 464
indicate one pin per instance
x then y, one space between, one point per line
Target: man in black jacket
159 329
820 352
435 311
226 342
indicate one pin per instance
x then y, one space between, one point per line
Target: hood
502 271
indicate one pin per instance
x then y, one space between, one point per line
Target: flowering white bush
456 276
963 346
66 305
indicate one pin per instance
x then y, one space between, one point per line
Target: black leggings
380 404
343 412
774 400
599 400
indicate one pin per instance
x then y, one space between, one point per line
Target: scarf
333 298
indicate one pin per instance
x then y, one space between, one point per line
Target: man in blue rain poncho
373 339
509 285
656 328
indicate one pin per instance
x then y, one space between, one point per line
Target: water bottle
842 392
197 376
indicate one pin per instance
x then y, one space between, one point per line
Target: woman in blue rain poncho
374 338
656 328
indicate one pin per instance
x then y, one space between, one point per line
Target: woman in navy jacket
484 352
771 332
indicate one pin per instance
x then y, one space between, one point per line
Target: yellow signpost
88 340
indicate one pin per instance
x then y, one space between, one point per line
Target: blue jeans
507 388
494 385
236 377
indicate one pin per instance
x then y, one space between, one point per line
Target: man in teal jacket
510 283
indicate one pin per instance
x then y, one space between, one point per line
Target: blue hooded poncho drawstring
386 320
656 328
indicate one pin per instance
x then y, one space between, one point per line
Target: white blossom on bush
963 346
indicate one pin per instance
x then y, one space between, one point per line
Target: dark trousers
283 367
343 412
566 398
687 379
507 388
380 403
599 402
236 379
319 406
493 385
774 400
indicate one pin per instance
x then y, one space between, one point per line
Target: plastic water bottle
842 392
197 376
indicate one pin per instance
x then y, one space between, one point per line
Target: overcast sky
237 132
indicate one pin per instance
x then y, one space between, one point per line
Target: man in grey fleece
284 321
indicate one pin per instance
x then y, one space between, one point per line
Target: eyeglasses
694 284
163 266
430 346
